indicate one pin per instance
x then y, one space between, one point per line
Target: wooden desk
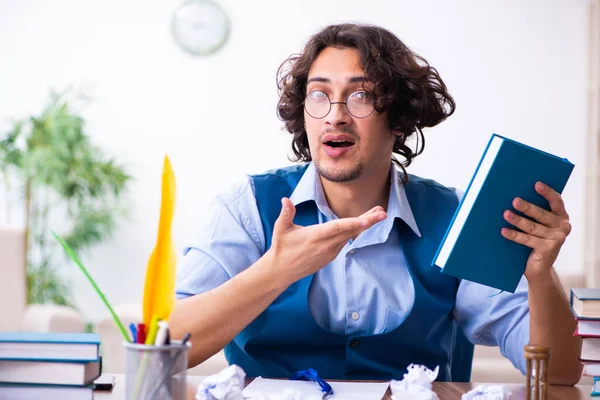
453 391
445 390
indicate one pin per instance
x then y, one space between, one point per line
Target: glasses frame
331 103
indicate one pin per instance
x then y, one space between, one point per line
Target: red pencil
141 334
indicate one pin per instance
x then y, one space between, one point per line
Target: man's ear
398 133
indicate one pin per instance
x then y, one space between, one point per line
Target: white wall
515 67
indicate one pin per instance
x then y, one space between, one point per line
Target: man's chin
340 174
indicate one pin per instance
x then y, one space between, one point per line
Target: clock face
200 27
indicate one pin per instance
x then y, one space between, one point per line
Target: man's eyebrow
318 79
355 79
352 79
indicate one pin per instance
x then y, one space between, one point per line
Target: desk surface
445 390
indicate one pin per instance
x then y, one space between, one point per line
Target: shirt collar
398 205
309 188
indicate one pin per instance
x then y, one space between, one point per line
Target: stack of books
41 366
585 304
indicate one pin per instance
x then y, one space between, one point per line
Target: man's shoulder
244 188
239 190
432 184
277 183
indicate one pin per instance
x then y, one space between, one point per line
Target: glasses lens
317 104
361 104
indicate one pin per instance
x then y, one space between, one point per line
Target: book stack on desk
585 304
36 365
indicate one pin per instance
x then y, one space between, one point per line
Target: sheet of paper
359 390
341 390
269 387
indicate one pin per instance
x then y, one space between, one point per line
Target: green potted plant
49 160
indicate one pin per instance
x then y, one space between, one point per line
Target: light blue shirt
367 289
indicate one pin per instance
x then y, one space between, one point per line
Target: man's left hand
545 233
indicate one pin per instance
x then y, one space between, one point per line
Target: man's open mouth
339 143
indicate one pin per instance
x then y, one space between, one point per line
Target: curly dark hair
405 85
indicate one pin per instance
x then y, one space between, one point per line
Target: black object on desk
104 382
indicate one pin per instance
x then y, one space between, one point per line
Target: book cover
76 373
591 368
583 330
590 349
596 387
49 346
473 247
49 337
11 391
585 304
586 293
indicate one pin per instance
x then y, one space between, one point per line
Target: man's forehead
337 65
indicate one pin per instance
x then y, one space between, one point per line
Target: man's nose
338 115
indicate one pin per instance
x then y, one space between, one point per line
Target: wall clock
200 27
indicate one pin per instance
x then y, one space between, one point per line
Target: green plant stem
27 222
73 257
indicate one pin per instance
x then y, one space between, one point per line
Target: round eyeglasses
360 104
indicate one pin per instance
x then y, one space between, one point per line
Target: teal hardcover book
49 346
473 247
15 391
595 388
585 303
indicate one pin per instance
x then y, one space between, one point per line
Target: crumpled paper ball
416 384
488 392
224 385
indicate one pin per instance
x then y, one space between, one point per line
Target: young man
327 264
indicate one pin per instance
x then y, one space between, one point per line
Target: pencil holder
156 372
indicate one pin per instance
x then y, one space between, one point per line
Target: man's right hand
298 251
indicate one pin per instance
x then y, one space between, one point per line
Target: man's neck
351 199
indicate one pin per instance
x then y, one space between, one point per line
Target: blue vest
285 338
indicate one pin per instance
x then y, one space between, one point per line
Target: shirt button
355 315
354 343
351 252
